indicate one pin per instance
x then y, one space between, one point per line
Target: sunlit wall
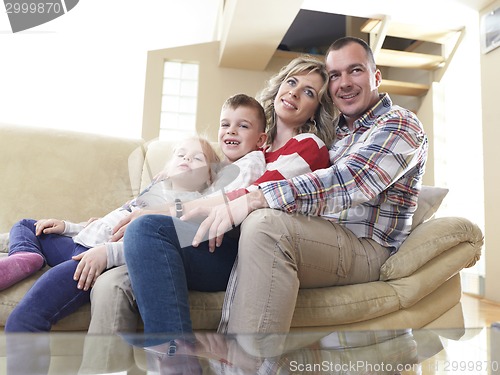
86 69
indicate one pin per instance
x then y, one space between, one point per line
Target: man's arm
226 216
360 172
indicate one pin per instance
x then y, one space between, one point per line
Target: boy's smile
240 132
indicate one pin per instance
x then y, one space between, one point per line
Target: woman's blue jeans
161 272
55 294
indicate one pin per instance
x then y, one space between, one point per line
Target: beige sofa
54 173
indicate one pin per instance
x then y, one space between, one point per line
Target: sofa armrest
430 239
4 242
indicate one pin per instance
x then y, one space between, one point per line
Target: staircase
426 49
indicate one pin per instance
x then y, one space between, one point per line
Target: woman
299 126
300 117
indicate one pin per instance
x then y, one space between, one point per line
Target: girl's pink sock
17 267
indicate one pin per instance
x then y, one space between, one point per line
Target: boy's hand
91 220
92 263
119 229
49 226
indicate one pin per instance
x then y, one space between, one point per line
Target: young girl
59 243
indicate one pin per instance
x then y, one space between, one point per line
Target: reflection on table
348 352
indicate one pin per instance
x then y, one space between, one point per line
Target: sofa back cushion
62 174
429 200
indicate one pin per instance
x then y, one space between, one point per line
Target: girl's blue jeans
161 271
55 294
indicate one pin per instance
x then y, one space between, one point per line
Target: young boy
242 133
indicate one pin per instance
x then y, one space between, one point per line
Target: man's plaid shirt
374 180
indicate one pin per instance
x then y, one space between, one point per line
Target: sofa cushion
62 174
344 304
429 200
429 240
314 308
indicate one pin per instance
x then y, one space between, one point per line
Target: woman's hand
224 217
49 226
92 263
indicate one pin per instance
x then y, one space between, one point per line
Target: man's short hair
342 42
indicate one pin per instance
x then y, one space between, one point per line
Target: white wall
215 84
491 136
86 69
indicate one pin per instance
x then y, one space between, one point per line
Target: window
179 100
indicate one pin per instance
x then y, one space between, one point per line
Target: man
335 226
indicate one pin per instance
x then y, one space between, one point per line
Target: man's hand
92 263
49 226
224 217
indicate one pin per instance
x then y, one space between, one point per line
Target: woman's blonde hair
326 113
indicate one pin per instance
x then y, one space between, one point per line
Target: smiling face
297 99
241 131
354 81
188 168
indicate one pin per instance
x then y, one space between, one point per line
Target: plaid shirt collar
367 119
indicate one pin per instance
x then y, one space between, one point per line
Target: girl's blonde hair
213 159
326 113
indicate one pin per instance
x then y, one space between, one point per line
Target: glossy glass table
457 351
